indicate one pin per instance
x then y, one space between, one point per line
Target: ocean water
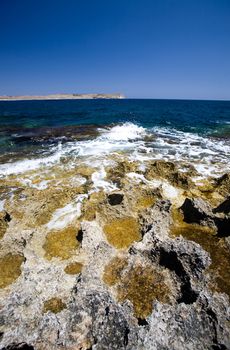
41 134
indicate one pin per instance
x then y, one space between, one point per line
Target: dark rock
199 212
170 260
108 329
20 346
79 236
7 217
115 198
224 207
223 226
196 211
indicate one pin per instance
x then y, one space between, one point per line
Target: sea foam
209 156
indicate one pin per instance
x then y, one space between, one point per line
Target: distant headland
62 97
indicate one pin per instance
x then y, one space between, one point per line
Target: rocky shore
140 261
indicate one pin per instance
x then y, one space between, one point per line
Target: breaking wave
209 155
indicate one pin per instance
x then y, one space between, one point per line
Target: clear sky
142 48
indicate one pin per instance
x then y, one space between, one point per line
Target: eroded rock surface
142 263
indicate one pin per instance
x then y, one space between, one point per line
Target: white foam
169 191
2 203
125 132
41 185
99 182
209 156
62 217
26 165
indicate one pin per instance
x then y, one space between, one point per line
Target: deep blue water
23 124
197 116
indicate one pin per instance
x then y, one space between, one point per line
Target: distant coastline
62 97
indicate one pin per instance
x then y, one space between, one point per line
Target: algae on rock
121 233
73 268
54 305
61 243
10 269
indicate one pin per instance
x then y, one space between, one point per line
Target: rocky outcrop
198 211
144 266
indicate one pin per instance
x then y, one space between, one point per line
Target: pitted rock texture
137 268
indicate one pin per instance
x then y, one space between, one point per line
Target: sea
36 135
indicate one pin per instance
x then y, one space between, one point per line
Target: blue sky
142 48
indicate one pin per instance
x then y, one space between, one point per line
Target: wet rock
117 173
170 172
115 198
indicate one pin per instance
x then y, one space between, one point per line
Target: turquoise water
167 129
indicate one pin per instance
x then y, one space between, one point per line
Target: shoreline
62 97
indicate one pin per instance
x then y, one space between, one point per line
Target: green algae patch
54 305
10 269
121 233
141 286
113 271
215 246
61 244
73 268
145 201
